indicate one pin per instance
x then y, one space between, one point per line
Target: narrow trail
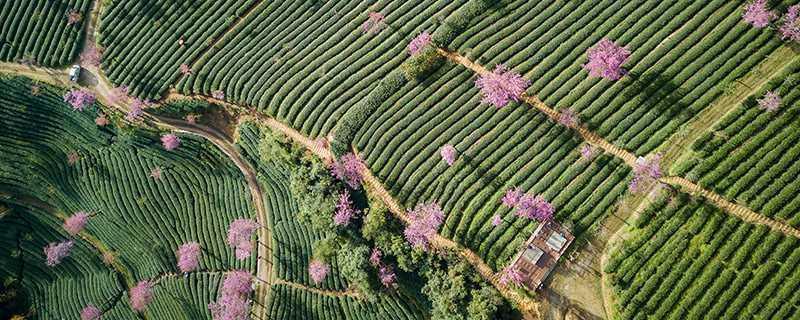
329 293
677 145
629 158
374 185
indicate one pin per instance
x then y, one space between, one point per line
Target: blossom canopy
374 24
79 99
348 169
170 142
418 43
90 312
770 102
188 256
448 154
75 223
511 275
239 233
501 86
757 14
425 220
55 252
790 29
344 210
141 295
606 59
318 270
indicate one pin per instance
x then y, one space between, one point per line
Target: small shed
541 253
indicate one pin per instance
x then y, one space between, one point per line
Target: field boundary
328 293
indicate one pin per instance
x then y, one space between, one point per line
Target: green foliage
181 108
355 268
423 64
456 291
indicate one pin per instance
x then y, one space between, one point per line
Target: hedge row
710 266
38 31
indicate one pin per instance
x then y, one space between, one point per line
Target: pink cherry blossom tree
387 276
239 282
188 256
501 86
141 295
375 257
73 17
55 252
344 210
588 152
170 142
136 110
790 29
79 99
569 118
185 69
191 118
240 232
156 173
35 89
645 171
497 220
449 154
101 120
75 223
512 197
425 220
606 59
233 302
770 102
374 24
218 94
348 169
418 43
757 14
73 157
318 270
534 207
90 312
511 275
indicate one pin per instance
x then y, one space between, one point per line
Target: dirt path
678 144
329 293
629 158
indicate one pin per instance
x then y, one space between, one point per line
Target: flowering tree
141 295
501 86
512 197
606 59
239 282
35 90
645 169
239 233
92 56
136 110
73 17
790 29
233 302
588 152
418 43
156 173
757 14
191 118
185 69
568 118
74 224
188 256
374 24
528 205
79 99
375 257
90 312
73 157
511 275
170 141
535 207
425 220
101 120
497 220
348 169
344 210
218 94
55 252
770 102
448 154
387 275
318 270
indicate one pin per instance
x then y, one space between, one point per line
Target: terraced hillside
42 31
687 260
139 219
751 155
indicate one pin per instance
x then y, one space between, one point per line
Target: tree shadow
661 94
